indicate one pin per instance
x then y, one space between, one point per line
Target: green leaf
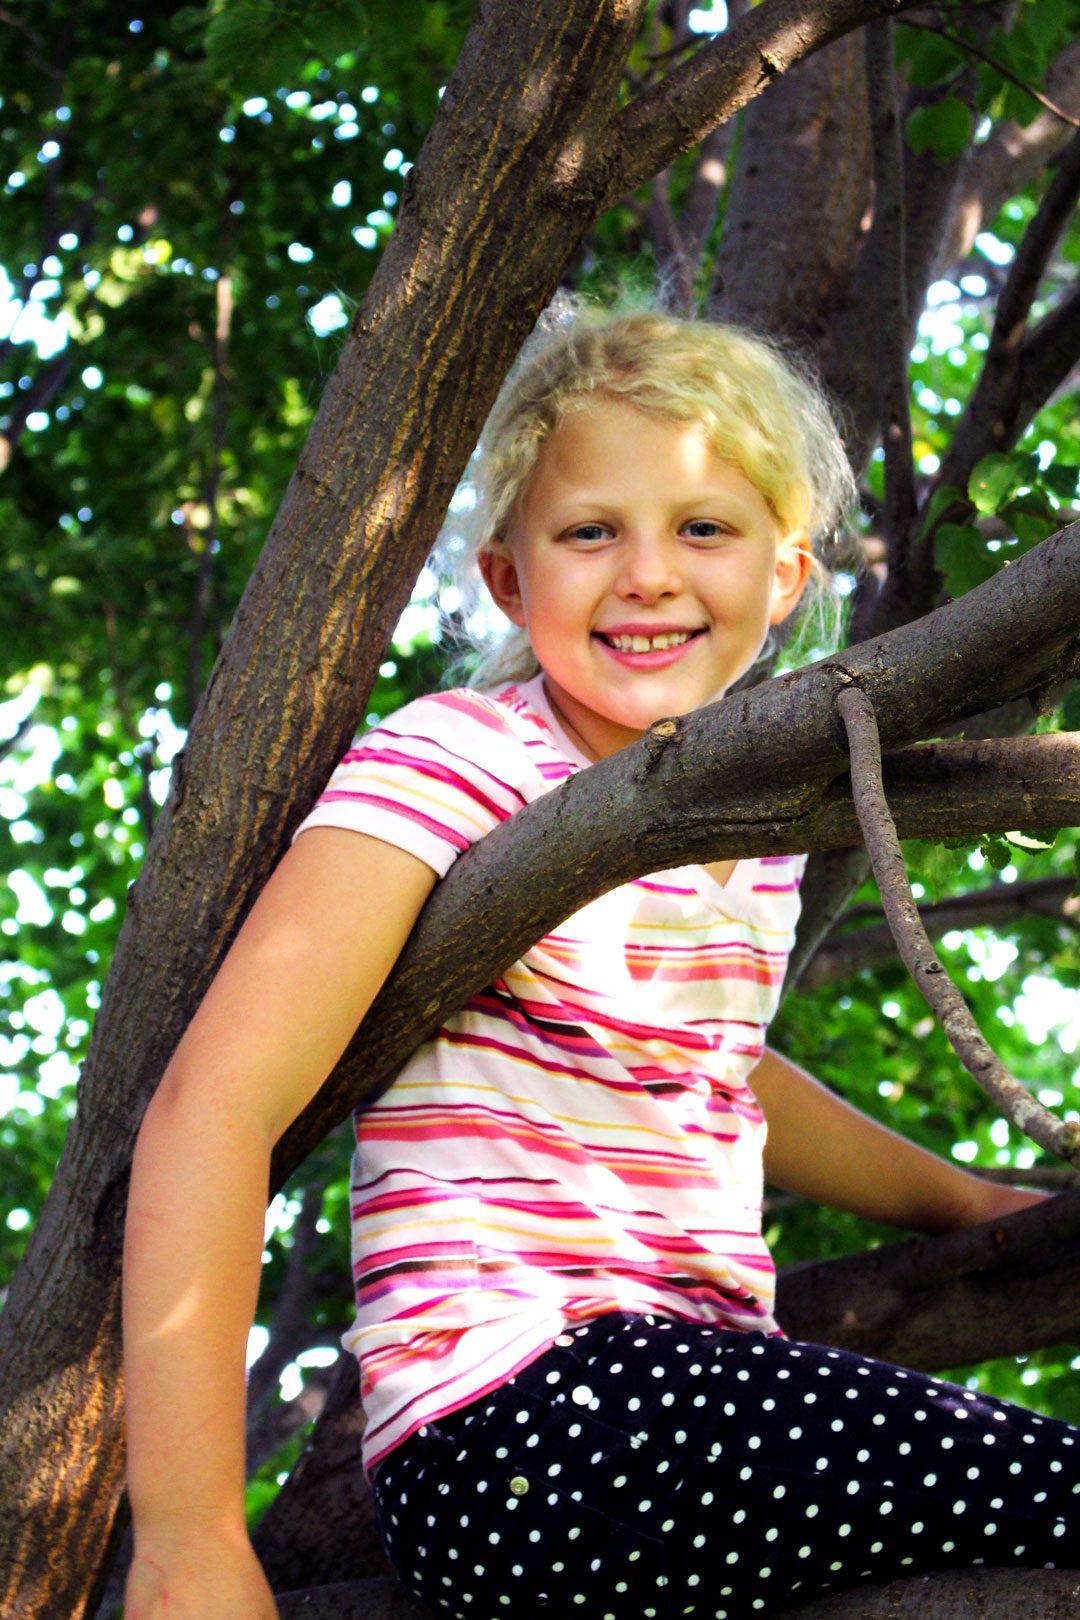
1033 839
994 478
945 128
960 554
932 60
939 503
1045 21
997 853
1070 711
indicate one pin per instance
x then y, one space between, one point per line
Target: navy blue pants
643 1467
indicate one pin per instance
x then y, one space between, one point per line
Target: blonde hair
760 410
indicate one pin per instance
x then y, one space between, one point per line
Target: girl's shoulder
503 732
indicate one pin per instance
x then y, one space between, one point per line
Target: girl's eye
587 532
704 529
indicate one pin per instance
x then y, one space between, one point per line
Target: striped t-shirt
581 1137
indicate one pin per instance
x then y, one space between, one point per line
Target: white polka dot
795 1434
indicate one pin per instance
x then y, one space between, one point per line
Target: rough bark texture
935 1302
528 134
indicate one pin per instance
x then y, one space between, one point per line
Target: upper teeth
672 638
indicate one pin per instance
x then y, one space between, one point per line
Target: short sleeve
432 779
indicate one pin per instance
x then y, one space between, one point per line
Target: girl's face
646 571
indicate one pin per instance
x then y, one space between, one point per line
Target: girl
576 1391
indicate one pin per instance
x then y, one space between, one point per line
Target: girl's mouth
646 649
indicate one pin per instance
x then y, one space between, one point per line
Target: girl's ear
794 562
501 578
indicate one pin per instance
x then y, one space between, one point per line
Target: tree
532 143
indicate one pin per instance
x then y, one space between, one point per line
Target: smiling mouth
645 644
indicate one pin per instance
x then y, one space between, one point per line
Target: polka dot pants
642 1467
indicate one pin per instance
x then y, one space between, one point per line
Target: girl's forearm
192 1259
822 1148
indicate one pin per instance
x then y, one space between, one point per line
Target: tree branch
887 249
746 776
947 1004
999 905
736 66
1036 244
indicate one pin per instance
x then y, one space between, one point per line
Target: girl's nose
649 568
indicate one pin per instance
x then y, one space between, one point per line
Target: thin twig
994 62
888 246
945 1001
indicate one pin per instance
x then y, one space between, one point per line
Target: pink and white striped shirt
581 1137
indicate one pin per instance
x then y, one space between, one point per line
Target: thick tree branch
922 961
931 1303
888 253
738 65
1000 905
747 776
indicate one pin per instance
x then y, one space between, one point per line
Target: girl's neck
567 724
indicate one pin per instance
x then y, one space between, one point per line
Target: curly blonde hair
761 410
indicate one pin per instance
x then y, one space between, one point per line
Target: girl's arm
821 1148
300 975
